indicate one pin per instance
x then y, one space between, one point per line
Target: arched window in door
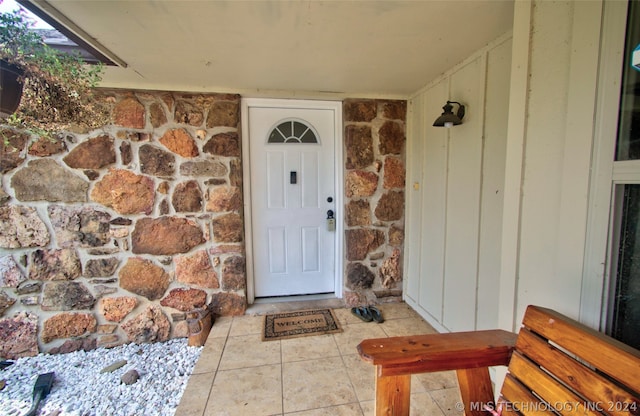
293 131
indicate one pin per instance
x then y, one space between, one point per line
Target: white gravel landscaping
80 389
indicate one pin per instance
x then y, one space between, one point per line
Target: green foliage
58 88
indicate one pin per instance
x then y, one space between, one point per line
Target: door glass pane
628 143
624 304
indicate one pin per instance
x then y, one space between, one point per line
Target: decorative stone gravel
80 388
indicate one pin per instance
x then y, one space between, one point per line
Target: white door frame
336 107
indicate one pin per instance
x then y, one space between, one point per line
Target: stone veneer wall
114 235
374 134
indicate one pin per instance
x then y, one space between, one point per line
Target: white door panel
291 182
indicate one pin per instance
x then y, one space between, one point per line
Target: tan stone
196 270
223 113
165 236
358 213
179 141
151 325
224 198
188 113
115 309
20 226
61 264
125 192
394 110
233 273
223 144
187 197
142 277
394 173
157 115
396 236
67 325
129 113
360 184
11 149
391 270
46 180
19 336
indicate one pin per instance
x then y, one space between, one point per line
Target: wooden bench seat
556 366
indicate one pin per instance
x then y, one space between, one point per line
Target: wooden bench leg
392 395
476 390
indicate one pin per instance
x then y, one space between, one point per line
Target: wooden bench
556 366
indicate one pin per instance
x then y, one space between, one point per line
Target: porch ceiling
301 48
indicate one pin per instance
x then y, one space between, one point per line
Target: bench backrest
562 366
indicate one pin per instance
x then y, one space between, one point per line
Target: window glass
293 131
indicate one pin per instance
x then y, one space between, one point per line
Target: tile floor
238 374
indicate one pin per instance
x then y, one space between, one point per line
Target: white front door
292 189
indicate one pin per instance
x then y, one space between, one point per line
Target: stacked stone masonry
114 235
374 136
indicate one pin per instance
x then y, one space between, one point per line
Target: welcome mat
299 324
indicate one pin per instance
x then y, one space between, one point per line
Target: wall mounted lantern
448 119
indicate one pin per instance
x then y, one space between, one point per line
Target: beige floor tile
448 400
195 396
345 317
210 356
407 326
255 391
221 326
352 409
362 375
309 348
316 383
396 311
246 325
368 407
249 351
355 334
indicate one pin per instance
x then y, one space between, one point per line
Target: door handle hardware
293 177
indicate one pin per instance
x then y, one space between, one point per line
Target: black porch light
447 118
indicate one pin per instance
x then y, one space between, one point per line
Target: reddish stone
125 153
223 113
46 146
142 277
235 173
6 302
163 188
394 110
92 154
19 336
361 242
196 270
392 138
125 192
394 173
156 162
129 113
233 273
358 213
227 248
188 113
149 326
360 110
157 115
390 206
72 345
187 197
359 145
224 144
165 236
228 228
185 299
228 304
67 325
115 309
224 198
179 141
11 149
168 100
360 183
